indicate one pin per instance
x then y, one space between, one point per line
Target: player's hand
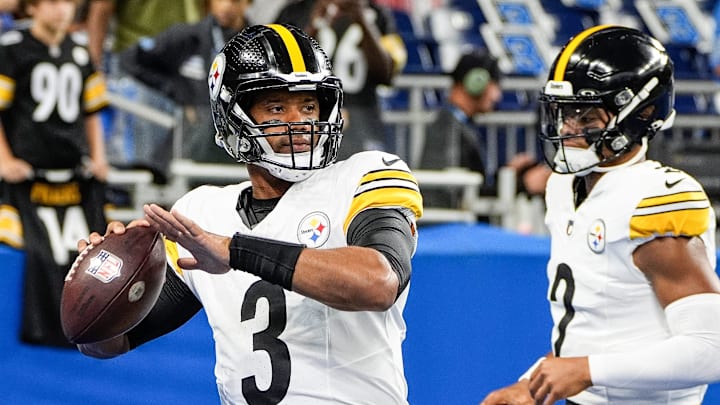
516 394
99 168
112 227
15 170
558 378
354 9
211 252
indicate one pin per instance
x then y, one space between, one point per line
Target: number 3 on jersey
563 273
267 340
58 89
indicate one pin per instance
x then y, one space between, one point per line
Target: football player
50 96
303 270
632 289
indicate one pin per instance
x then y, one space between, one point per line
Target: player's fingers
115 227
94 238
540 396
190 225
187 263
538 389
551 399
82 244
138 222
163 220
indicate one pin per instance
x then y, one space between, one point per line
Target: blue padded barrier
476 315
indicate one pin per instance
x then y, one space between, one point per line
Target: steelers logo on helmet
275 57
314 229
215 77
628 99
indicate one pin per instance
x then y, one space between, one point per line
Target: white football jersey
276 346
600 301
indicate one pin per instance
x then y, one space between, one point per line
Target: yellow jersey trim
95 95
386 188
686 213
11 230
173 255
7 91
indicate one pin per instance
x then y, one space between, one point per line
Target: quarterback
633 294
303 271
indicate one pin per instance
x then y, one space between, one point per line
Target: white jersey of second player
276 346
600 301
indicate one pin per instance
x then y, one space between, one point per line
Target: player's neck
266 186
47 35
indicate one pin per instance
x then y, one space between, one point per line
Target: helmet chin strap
639 155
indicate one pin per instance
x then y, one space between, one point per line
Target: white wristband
528 373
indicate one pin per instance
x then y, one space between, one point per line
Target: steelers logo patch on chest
314 229
596 236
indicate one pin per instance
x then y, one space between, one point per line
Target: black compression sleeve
175 306
389 232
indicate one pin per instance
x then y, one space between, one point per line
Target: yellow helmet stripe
296 58
564 57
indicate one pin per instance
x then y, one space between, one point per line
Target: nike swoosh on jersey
673 184
390 162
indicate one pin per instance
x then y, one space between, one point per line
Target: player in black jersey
52 156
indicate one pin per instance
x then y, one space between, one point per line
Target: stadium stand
524 36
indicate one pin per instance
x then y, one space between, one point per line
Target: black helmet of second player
621 70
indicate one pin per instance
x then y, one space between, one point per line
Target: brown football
111 287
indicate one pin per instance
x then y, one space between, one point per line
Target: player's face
53 15
577 118
283 106
229 13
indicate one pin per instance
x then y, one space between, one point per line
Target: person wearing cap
452 139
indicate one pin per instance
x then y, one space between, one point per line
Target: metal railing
504 207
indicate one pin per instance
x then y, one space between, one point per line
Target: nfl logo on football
105 266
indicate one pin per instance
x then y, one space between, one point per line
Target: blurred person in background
176 61
366 50
112 27
52 156
453 139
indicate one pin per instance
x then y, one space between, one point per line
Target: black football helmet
621 70
267 57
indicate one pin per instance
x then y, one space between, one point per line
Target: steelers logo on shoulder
314 229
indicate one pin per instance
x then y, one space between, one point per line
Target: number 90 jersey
600 301
277 346
45 93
